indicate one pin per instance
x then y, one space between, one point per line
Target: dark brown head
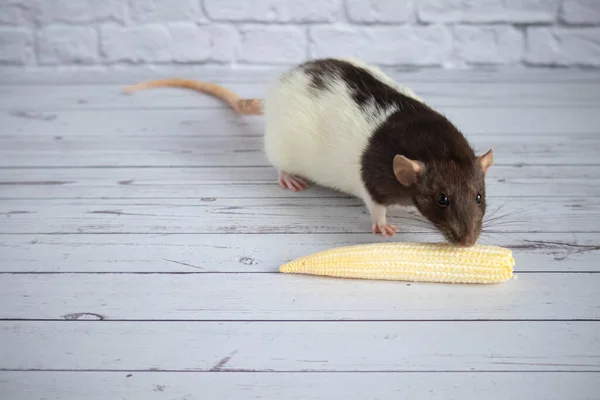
449 193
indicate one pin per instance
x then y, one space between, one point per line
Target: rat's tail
239 104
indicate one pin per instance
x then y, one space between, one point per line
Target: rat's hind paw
386 229
291 182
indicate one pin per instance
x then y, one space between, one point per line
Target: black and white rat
346 125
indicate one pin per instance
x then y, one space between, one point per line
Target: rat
346 125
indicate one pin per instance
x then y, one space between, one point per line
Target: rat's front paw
291 182
384 228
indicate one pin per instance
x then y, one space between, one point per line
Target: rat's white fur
321 135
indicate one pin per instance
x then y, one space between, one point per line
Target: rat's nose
468 240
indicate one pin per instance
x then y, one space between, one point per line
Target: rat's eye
478 199
442 200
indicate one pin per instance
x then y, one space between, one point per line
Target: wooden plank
438 94
258 182
230 253
73 151
277 296
292 215
223 122
300 385
126 74
301 346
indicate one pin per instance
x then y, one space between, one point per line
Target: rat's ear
406 170
486 160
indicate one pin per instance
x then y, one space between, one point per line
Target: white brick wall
485 11
431 33
59 44
384 45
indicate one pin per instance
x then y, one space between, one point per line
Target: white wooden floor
140 238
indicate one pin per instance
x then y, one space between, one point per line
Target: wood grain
223 122
280 296
231 253
300 385
284 216
165 183
301 346
437 94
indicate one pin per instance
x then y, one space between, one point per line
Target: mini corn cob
416 262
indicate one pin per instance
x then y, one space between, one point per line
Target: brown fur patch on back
364 86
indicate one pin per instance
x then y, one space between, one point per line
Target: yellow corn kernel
416 262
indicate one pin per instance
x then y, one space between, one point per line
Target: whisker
507 219
501 222
519 211
484 240
496 235
415 221
499 208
